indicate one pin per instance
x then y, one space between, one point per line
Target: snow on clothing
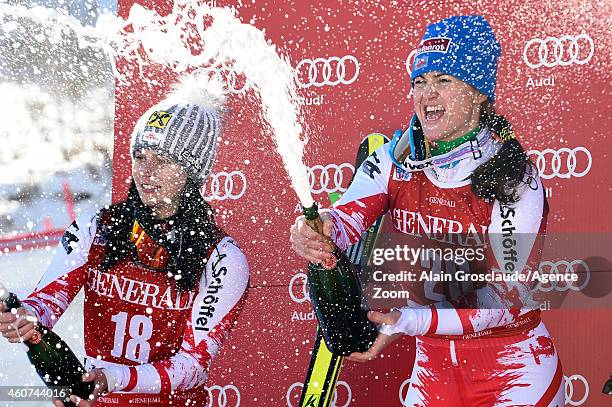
157 341
437 203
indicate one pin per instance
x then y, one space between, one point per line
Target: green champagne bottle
53 360
336 296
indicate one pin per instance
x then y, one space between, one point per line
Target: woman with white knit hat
164 284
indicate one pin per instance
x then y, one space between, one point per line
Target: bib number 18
140 330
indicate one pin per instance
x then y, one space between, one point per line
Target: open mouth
149 189
434 112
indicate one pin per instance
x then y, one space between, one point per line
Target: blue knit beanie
461 46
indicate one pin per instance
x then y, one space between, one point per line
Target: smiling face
159 181
446 106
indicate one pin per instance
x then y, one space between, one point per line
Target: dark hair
499 177
196 233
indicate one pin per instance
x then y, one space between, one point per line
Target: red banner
352 62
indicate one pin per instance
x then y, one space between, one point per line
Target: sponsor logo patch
421 166
436 44
401 175
193 161
69 239
421 62
441 201
159 119
152 138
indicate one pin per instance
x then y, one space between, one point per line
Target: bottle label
36 338
329 264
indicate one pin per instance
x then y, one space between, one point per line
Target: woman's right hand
311 245
17 327
382 340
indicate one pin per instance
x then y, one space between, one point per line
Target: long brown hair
194 223
499 177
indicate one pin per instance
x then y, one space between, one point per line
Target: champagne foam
227 44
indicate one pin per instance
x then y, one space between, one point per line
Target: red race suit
157 342
485 347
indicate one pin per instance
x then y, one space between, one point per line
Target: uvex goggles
148 252
409 150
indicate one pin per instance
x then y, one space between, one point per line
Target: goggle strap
475 148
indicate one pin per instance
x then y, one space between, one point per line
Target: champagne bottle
607 389
336 295
53 360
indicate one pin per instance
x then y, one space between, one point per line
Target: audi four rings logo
298 288
576 390
234 82
563 163
342 394
403 391
331 71
410 60
226 396
329 178
563 51
225 185
564 267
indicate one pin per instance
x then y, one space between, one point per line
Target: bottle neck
313 219
443 147
11 301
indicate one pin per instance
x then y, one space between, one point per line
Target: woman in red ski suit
457 174
164 285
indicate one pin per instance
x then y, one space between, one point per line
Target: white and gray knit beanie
185 125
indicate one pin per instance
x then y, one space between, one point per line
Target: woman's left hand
382 340
96 376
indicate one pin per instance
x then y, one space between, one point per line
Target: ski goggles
409 145
409 150
148 252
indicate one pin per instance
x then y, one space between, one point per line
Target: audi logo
562 163
332 71
563 267
329 178
572 393
234 83
410 61
292 395
564 51
226 396
224 185
300 293
404 394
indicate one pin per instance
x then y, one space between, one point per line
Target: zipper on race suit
453 353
